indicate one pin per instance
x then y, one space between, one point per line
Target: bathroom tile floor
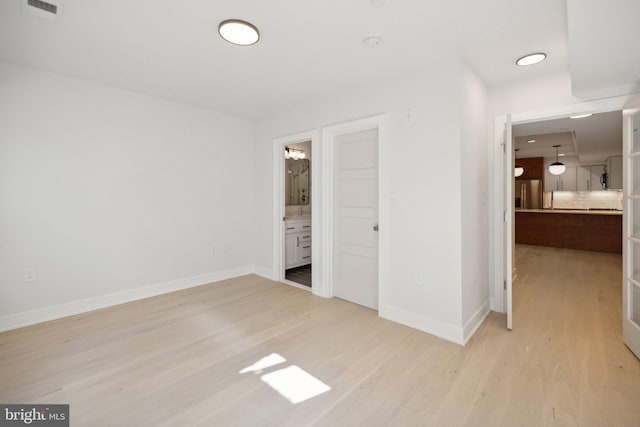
300 275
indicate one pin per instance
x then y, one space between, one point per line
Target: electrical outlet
418 278
29 274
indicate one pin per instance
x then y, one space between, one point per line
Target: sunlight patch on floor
264 363
293 382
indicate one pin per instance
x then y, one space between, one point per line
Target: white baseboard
422 323
265 272
18 320
474 323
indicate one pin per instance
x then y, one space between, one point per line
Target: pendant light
557 168
518 170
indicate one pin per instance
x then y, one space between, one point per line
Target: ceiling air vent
43 5
49 9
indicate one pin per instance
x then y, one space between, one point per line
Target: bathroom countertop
569 211
298 218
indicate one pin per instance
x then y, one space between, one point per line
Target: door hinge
506 216
505 284
504 148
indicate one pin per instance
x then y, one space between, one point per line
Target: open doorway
503 228
570 168
295 213
297 208
568 211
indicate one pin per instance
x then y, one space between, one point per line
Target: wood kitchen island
589 230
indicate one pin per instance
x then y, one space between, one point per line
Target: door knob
376 228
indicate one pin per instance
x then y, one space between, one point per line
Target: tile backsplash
611 199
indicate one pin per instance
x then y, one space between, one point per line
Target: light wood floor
174 360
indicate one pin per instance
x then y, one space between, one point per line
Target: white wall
424 182
104 191
533 95
475 220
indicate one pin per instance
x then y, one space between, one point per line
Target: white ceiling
308 49
591 139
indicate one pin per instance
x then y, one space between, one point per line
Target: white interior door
509 219
631 250
355 231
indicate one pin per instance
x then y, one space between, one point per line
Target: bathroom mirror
297 182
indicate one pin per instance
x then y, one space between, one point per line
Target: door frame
329 134
279 207
630 329
500 217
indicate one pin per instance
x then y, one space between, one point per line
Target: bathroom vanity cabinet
297 242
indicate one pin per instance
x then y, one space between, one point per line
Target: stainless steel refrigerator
528 194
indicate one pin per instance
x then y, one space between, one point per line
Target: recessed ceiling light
581 116
531 59
238 32
531 141
561 154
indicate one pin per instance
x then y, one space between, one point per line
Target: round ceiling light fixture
581 116
532 58
238 32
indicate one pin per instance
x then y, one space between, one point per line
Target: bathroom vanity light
238 32
557 168
292 153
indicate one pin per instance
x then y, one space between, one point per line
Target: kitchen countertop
569 211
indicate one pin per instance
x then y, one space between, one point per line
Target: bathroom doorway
297 213
296 206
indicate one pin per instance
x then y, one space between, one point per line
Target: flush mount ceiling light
557 168
238 32
581 116
531 59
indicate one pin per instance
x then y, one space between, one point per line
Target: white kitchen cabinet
614 172
565 182
584 178
588 178
297 242
596 175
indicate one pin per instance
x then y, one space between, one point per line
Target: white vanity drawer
305 252
298 242
297 226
